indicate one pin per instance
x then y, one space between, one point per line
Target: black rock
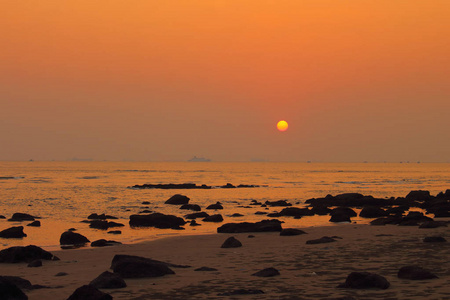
18 217
177 200
218 205
168 186
278 203
20 282
9 290
194 223
338 218
415 273
27 254
343 211
145 202
59 274
322 240
268 272
2 217
35 224
227 186
292 212
35 263
193 207
418 196
372 212
108 280
100 217
104 243
262 226
205 269
72 238
115 232
241 292
432 224
213 218
291 232
13 233
101 224
365 280
236 215
129 266
196 215
157 220
434 239
89 292
231 242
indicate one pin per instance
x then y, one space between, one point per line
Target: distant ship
199 159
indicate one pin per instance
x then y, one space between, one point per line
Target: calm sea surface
64 193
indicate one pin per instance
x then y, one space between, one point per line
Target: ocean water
63 194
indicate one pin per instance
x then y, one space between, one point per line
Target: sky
143 80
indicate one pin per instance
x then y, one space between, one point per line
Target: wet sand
306 271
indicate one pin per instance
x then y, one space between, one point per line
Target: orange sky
166 80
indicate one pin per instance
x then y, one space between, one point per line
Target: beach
307 271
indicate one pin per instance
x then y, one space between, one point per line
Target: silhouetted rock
340 217
13 233
432 224
18 217
418 195
20 282
268 272
10 291
278 203
372 212
35 263
196 215
385 221
100 217
414 218
292 212
157 220
89 292
193 207
291 232
322 240
177 200
213 218
320 210
108 280
241 292
101 224
415 273
26 254
218 205
205 269
231 242
365 280
227 186
169 186
138 267
72 238
434 239
2 217
35 224
235 215
265 225
115 232
104 243
343 211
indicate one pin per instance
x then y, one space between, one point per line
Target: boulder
104 243
262 226
9 290
35 264
268 272
434 239
291 232
365 280
196 215
343 211
418 195
213 218
193 207
100 217
104 225
89 292
35 224
72 238
322 240
236 215
26 254
292 212
13 233
338 218
18 217
157 220
231 242
108 280
178 199
194 223
372 212
129 266
278 203
432 224
415 273
218 205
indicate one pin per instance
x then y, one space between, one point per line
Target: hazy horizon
165 81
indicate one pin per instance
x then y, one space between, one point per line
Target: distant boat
199 159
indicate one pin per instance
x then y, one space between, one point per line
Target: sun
282 125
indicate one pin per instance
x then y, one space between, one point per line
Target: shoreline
306 271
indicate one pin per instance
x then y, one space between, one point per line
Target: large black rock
194 207
13 232
157 220
108 280
18 217
129 266
372 212
26 254
72 238
265 225
213 218
89 292
365 280
293 212
178 199
10 291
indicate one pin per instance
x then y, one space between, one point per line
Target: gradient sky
357 80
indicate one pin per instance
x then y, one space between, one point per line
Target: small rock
241 292
213 218
415 273
89 292
365 280
205 269
434 239
35 263
72 238
218 205
322 240
59 274
178 200
268 272
13 233
291 232
35 224
231 242
108 280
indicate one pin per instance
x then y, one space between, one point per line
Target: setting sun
282 125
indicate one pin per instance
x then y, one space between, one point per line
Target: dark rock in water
343 211
157 220
170 186
178 199
415 273
321 210
72 238
100 217
13 233
441 213
18 217
194 223
145 202
196 215
35 263
59 274
205 269
250 236
418 196
322 240
26 254
292 212
108 280
385 221
218 205
139 267
434 239
291 232
231 242
104 243
278 203
213 218
268 272
432 224
115 232
193 207
365 280
20 282
101 224
414 218
262 226
89 292
372 212
2 217
9 290
35 224
227 186
236 215
241 292
338 218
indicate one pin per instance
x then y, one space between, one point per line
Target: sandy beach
306 271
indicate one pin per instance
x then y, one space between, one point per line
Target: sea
64 194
